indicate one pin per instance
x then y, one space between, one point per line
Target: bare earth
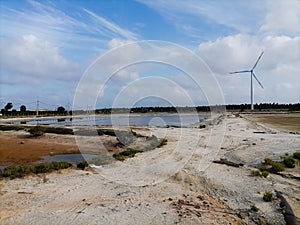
188 193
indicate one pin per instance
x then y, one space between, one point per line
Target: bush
296 155
255 173
21 171
264 173
82 165
269 161
128 153
36 131
268 196
254 208
289 162
277 167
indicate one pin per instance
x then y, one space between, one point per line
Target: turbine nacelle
251 75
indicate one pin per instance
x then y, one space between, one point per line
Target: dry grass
285 121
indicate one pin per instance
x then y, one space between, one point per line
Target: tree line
8 110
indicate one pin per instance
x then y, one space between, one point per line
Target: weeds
268 196
153 142
296 155
289 162
254 208
36 131
264 173
21 171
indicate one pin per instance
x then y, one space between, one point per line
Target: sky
48 47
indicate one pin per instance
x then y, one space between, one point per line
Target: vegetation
254 208
152 143
276 167
128 153
36 131
21 171
264 173
268 196
82 165
255 173
23 108
8 110
296 155
289 162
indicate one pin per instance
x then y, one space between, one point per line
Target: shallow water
162 120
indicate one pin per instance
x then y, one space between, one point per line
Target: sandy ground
186 187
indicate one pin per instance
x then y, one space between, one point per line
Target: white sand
175 184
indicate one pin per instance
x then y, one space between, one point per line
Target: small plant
262 168
296 155
21 171
277 167
255 173
268 196
36 131
163 142
289 162
82 165
269 161
264 173
254 208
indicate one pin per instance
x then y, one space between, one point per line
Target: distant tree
61 110
8 106
3 112
23 108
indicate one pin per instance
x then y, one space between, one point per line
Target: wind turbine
252 75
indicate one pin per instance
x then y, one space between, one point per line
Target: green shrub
21 171
163 142
41 168
128 153
36 131
289 162
269 161
277 167
268 196
254 208
255 173
262 168
82 165
264 173
296 155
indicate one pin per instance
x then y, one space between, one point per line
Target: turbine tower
251 77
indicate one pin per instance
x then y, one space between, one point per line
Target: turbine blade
243 71
257 60
257 80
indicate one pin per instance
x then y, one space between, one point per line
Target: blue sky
46 46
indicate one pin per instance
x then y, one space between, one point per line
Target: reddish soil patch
16 148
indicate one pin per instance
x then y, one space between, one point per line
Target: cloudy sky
48 46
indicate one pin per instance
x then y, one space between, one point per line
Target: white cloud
279 65
115 42
111 27
81 29
283 17
29 58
